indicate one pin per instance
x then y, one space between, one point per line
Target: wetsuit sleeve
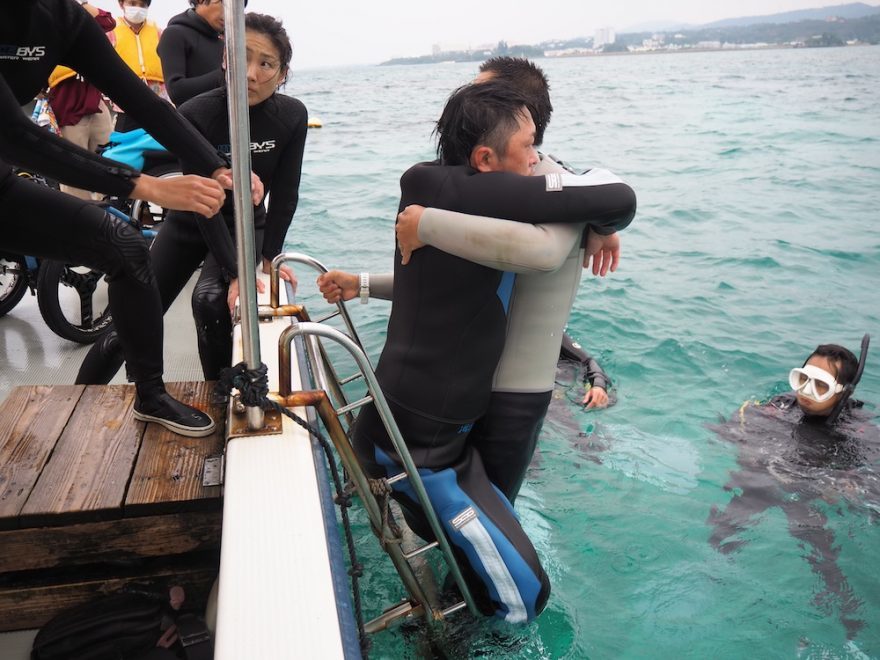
595 375
500 244
92 55
172 53
382 285
219 241
597 197
285 189
26 144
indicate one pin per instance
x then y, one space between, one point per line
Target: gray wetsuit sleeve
381 285
501 244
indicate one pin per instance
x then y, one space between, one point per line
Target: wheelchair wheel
73 301
13 283
149 216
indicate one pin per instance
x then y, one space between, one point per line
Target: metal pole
240 141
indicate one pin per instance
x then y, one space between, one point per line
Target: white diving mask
814 383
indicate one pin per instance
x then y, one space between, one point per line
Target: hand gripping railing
329 416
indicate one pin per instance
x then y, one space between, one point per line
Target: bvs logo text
11 51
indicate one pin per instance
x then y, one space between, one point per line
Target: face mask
135 15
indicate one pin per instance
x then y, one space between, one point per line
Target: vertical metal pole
239 139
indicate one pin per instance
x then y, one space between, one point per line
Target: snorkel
849 388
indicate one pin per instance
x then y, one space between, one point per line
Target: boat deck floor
92 500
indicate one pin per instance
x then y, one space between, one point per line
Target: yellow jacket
139 50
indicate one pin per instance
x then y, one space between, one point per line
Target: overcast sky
337 32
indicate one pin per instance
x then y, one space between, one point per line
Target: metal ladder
329 389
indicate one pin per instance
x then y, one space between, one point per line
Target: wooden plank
127 539
23 607
86 477
33 419
168 474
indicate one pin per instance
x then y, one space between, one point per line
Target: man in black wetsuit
448 318
35 36
506 436
191 50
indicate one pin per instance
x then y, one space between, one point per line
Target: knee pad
102 361
209 300
481 524
121 251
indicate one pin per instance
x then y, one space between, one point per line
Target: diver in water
811 445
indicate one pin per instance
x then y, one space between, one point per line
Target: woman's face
264 70
807 404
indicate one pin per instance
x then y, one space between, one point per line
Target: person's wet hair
478 114
528 78
846 361
193 3
272 28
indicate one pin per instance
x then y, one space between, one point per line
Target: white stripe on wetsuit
595 177
487 551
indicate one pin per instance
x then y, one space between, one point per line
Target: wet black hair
845 360
193 3
274 30
528 78
478 114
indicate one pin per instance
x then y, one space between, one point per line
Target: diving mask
814 383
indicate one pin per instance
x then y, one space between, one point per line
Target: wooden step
91 499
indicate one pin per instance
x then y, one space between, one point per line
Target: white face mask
135 15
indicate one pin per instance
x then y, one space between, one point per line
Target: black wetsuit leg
506 436
42 222
498 559
176 254
211 314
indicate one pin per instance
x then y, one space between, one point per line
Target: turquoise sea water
757 237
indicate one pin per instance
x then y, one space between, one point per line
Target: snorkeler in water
813 445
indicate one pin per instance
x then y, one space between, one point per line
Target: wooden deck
92 500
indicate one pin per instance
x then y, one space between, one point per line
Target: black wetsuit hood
192 20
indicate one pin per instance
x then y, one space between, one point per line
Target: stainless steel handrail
316 329
240 141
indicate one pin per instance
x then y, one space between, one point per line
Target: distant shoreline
658 51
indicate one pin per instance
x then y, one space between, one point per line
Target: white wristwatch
364 290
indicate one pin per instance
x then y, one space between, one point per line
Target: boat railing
331 404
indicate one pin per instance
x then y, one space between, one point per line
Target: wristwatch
364 290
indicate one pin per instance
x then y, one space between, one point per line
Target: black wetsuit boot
153 404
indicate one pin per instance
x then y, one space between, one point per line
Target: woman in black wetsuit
278 126
35 36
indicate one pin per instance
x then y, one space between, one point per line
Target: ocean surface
757 238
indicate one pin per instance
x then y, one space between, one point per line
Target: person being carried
50 224
801 449
447 326
548 258
191 50
278 126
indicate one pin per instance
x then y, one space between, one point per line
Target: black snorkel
849 388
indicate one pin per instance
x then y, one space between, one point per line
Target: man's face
212 12
521 155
